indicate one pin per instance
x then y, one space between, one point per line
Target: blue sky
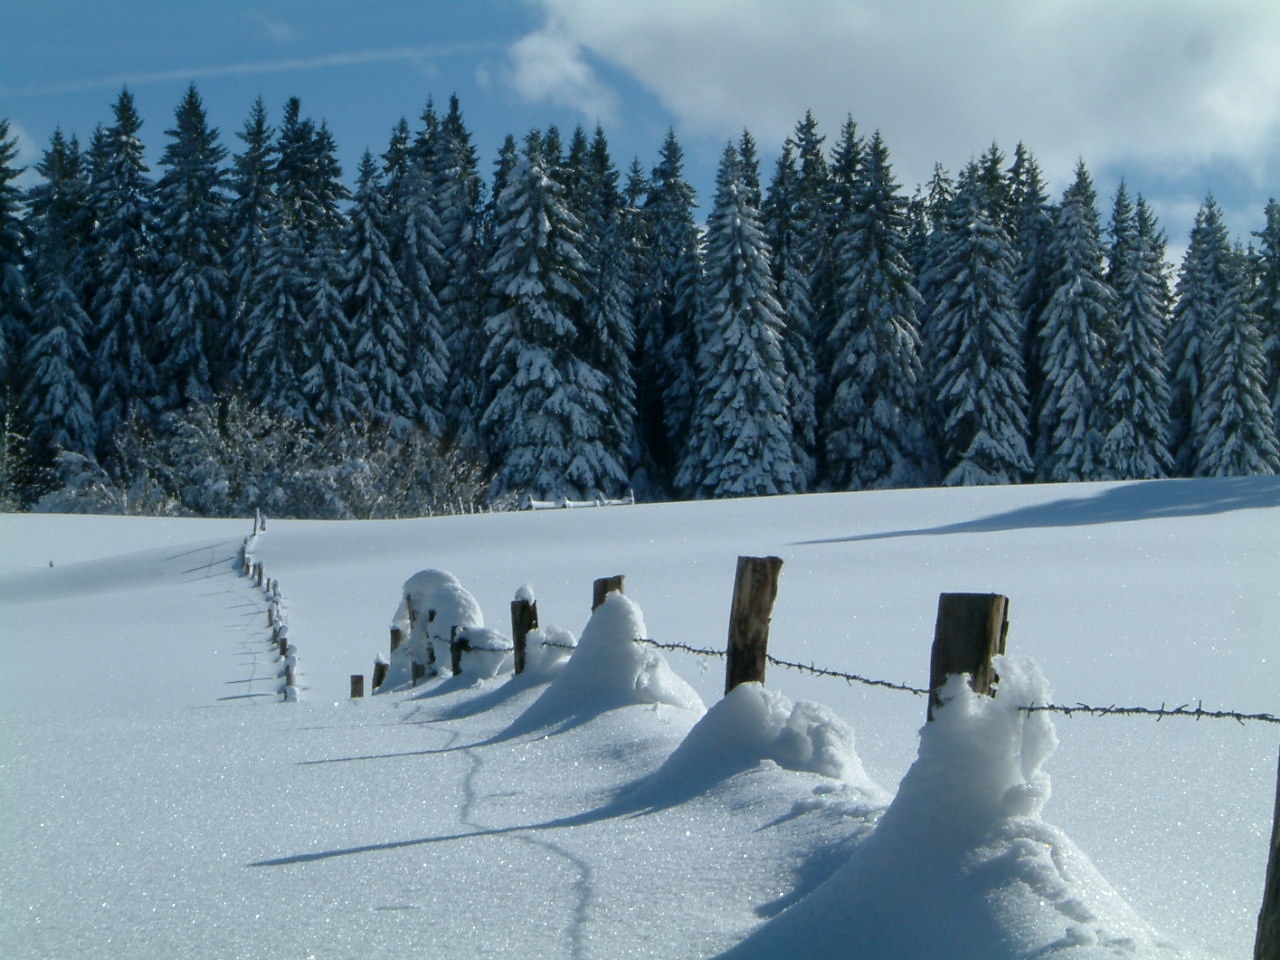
1181 97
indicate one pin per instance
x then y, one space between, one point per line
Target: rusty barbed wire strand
1199 713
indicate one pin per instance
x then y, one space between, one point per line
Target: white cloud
549 65
1168 83
27 155
275 29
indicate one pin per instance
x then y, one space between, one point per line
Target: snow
606 672
962 852
160 801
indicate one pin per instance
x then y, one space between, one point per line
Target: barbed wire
1199 713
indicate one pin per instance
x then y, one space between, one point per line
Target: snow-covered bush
227 456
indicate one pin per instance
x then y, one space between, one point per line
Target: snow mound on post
435 602
751 726
547 650
961 864
486 653
608 670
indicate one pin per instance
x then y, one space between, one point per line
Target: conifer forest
241 328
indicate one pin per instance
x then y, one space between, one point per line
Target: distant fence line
277 616
564 503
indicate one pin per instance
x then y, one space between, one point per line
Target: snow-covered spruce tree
334 394
741 443
458 196
1266 302
56 401
668 330
843 185
608 329
122 253
1137 392
546 421
811 207
636 235
875 434
928 211
971 350
1201 290
192 241
15 286
1074 335
997 189
275 309
1232 430
791 279
1031 215
412 232
252 209
373 298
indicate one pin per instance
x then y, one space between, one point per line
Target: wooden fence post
1267 944
379 674
457 646
755 587
970 631
603 587
397 638
357 686
418 671
524 617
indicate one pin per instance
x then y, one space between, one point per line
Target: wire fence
1185 710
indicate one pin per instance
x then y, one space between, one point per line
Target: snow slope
159 802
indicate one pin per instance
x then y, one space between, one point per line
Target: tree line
243 330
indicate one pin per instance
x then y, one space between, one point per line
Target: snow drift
961 864
749 727
607 671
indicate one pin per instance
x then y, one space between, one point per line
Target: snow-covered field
156 800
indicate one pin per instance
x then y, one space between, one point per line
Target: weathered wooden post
524 617
1267 944
970 631
257 520
357 686
603 587
418 672
288 675
755 587
379 673
397 638
457 647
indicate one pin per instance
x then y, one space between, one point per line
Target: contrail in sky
353 58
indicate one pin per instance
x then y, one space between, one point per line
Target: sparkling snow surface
157 801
